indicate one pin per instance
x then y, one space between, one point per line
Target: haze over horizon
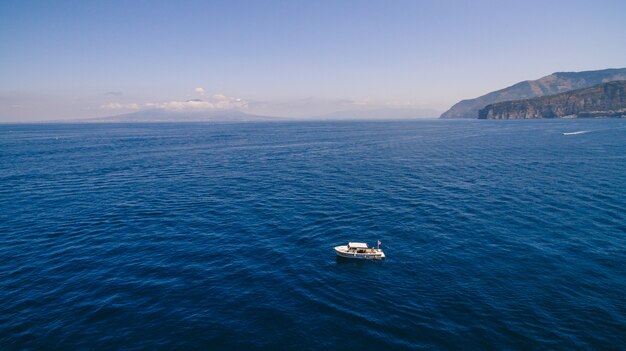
77 60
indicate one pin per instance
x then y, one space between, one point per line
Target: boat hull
342 251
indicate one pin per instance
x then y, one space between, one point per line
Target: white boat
359 251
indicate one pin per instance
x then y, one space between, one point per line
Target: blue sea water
498 235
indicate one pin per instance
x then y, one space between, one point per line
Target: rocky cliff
553 84
603 100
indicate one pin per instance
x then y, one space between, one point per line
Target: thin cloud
216 102
118 106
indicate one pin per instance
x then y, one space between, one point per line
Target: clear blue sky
78 59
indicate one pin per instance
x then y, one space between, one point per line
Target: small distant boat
574 133
360 251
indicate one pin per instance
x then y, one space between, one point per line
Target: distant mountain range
161 115
549 85
603 100
528 99
383 113
232 115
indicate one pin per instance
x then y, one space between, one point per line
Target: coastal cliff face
603 100
553 84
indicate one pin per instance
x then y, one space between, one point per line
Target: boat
360 251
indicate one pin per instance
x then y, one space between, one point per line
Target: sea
499 235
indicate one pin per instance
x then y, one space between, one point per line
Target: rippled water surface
498 235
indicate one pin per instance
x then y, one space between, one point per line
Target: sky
300 59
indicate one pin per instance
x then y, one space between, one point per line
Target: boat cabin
357 247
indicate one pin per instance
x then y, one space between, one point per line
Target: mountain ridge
602 100
555 83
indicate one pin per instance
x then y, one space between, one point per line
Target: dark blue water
498 235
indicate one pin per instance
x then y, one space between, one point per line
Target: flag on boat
379 242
